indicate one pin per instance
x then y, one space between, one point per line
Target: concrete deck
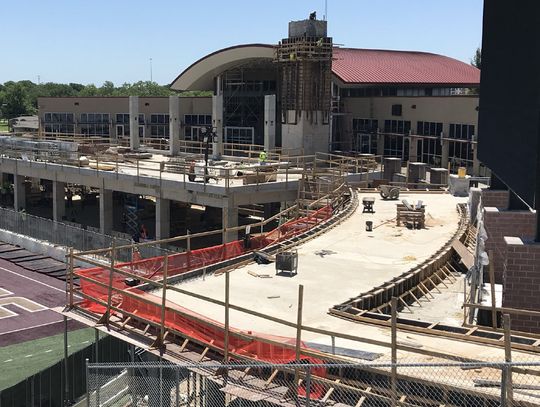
359 261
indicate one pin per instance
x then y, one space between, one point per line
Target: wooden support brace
440 279
128 319
184 344
406 305
415 299
363 398
425 290
329 392
272 377
205 351
434 285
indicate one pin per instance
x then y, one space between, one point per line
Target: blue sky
97 40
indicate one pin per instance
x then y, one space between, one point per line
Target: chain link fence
67 235
259 385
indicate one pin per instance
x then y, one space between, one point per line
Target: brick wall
495 198
522 282
501 223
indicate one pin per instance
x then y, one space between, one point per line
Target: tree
477 58
15 101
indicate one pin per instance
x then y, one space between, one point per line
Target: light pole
151 79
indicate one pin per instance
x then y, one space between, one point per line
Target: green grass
19 361
3 126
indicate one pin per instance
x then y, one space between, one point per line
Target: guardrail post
298 338
508 360
394 351
71 277
308 386
226 344
177 385
87 370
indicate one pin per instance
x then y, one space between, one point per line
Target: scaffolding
305 73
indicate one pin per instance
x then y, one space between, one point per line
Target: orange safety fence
152 268
212 333
179 263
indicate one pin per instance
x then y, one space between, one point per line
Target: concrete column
105 210
380 143
217 124
134 141
174 124
230 220
445 148
413 149
59 200
269 122
475 196
476 162
163 218
19 192
4 188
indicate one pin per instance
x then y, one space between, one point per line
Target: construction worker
262 157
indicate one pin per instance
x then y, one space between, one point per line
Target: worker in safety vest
262 158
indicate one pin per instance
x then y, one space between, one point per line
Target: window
397 126
429 129
460 154
94 124
159 125
365 125
461 131
396 110
60 123
239 135
198 119
393 145
429 151
122 118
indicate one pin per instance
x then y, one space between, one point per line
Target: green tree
477 58
15 101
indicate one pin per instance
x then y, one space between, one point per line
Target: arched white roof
200 75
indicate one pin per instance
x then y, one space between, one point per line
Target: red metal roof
367 66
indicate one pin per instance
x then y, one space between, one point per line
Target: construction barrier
186 322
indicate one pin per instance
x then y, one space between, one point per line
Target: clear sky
91 41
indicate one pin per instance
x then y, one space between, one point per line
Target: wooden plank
466 257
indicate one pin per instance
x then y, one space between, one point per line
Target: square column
413 148
134 141
230 220
174 124
500 223
380 143
163 218
19 192
269 122
521 281
217 124
59 202
445 150
105 211
496 198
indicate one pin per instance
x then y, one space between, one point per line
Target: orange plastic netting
186 321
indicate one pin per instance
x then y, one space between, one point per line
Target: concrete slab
354 261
